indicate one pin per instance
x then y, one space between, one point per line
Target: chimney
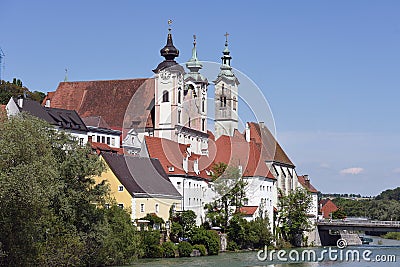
20 101
307 180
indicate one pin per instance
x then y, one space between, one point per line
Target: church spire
169 52
194 65
226 69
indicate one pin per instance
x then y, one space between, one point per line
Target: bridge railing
360 222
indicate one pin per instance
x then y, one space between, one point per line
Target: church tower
181 100
168 81
226 96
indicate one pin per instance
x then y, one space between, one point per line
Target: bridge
330 231
360 225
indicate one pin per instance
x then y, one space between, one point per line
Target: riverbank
379 246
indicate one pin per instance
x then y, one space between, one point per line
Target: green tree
183 224
51 209
16 89
185 249
292 220
230 187
339 214
208 238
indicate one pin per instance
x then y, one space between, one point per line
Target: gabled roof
248 210
271 150
306 184
141 176
65 119
235 151
109 99
171 154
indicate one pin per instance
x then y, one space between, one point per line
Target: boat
366 240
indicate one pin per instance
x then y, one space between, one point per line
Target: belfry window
234 103
179 116
179 95
203 108
224 101
203 124
165 96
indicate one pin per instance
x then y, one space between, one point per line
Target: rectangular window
113 141
121 205
81 141
103 139
157 208
98 139
107 205
120 188
108 140
141 207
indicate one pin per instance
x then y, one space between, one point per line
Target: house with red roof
326 208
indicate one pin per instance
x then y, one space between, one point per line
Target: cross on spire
226 38
169 25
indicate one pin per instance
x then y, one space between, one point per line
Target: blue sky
330 70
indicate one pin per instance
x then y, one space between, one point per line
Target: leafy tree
153 219
229 186
183 224
15 89
339 214
51 209
292 220
390 194
151 244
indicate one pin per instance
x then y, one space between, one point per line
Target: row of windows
165 98
222 100
203 121
196 186
194 201
104 139
262 188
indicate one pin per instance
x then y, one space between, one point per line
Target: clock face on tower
165 75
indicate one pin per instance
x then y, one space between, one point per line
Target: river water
380 250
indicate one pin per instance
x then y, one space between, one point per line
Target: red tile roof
109 99
248 210
306 184
171 154
271 150
326 207
100 147
237 151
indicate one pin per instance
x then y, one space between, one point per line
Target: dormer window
171 169
120 188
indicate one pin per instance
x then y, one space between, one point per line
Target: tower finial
194 39
66 75
226 38
169 25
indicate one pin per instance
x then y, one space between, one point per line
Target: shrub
208 238
151 244
201 248
155 251
232 246
169 249
185 249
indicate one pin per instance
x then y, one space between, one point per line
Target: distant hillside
390 194
15 89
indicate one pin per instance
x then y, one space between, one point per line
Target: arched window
179 116
221 100
179 95
223 89
203 108
189 122
203 124
165 96
234 103
224 101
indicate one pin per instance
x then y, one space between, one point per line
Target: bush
201 248
151 244
232 246
185 249
155 251
208 238
169 249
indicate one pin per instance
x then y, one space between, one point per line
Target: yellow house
140 185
